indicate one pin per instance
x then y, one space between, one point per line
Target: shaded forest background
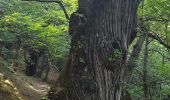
34 38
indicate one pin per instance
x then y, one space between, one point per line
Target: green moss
116 54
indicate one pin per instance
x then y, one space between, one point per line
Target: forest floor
29 88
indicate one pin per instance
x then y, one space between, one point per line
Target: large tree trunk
101 31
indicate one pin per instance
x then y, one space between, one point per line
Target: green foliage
116 54
156 16
158 77
38 25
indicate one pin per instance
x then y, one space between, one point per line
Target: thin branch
160 53
156 37
55 1
156 19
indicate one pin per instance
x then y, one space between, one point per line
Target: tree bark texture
31 60
145 71
101 31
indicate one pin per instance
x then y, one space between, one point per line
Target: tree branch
156 37
156 19
55 1
160 53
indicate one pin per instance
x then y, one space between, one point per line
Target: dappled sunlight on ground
33 87
8 91
30 88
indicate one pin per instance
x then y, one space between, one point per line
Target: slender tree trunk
101 31
131 64
145 73
47 69
16 46
42 65
31 60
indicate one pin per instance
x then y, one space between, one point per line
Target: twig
160 53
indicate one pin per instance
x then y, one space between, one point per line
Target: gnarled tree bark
101 31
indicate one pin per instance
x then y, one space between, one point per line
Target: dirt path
30 87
